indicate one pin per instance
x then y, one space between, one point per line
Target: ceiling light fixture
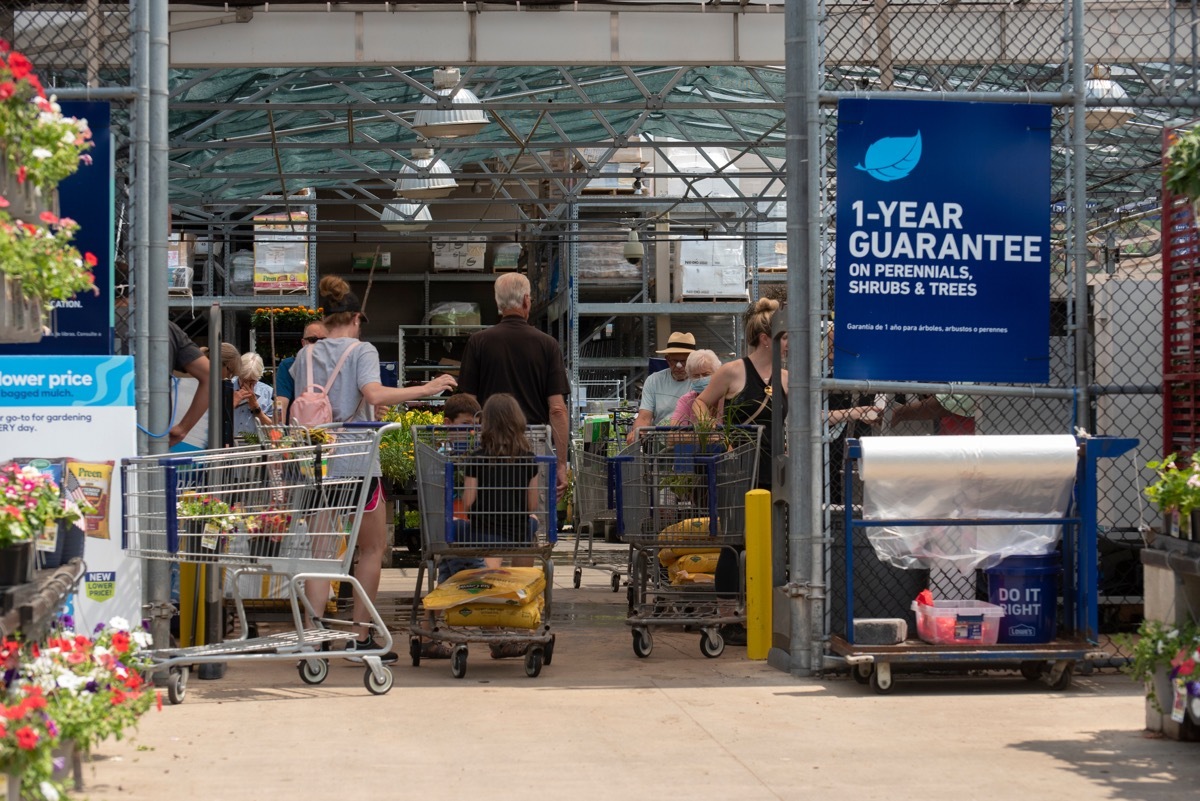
1101 85
441 116
405 216
437 184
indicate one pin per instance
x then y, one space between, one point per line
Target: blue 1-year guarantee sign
943 242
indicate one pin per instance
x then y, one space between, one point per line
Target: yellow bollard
192 583
758 573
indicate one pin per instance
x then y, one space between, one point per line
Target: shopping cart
681 495
288 507
595 511
475 506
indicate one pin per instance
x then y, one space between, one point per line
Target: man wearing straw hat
662 390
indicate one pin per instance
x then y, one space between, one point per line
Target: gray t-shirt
345 396
661 394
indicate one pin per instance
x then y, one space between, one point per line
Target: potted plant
1181 164
1176 492
30 502
28 739
396 450
1166 660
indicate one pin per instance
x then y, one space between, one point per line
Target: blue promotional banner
66 381
84 324
943 242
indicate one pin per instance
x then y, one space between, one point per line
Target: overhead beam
733 35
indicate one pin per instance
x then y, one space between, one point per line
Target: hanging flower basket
21 314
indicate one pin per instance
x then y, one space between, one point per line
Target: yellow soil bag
528 616
694 529
694 563
508 586
669 556
685 578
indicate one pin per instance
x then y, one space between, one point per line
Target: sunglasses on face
313 340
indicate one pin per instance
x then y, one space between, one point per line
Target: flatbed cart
684 491
444 463
1053 662
205 507
595 507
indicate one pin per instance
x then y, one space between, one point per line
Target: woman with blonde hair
745 387
354 393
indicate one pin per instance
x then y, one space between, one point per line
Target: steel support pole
139 228
1079 255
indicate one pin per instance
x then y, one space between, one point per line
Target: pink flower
48 217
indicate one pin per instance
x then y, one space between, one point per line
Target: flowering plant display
1176 486
286 316
40 145
28 737
1165 646
93 684
29 501
271 522
210 510
397 454
43 258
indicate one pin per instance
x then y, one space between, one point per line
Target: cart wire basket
681 496
472 507
595 510
288 506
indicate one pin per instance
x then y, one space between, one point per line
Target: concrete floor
600 723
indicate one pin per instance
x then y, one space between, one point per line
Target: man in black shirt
514 357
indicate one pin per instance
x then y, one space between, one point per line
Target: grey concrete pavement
600 723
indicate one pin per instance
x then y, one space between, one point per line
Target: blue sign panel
84 324
66 381
943 242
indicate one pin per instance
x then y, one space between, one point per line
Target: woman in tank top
745 385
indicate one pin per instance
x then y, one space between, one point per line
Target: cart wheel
643 643
862 672
712 645
1032 671
881 678
533 662
378 686
414 650
458 661
548 652
578 577
1063 681
177 685
616 582
313 671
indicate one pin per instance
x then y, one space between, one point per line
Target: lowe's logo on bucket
1022 630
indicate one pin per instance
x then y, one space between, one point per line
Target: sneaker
507 649
431 649
369 644
733 634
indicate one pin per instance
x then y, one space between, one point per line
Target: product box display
958 622
595 428
180 250
448 318
459 254
281 253
708 268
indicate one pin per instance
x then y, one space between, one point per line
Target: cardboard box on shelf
708 268
180 251
459 254
281 253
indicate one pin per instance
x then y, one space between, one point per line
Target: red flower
157 702
90 259
21 174
48 217
4 46
3 202
33 81
27 738
120 641
7 89
16 712
19 65
118 697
